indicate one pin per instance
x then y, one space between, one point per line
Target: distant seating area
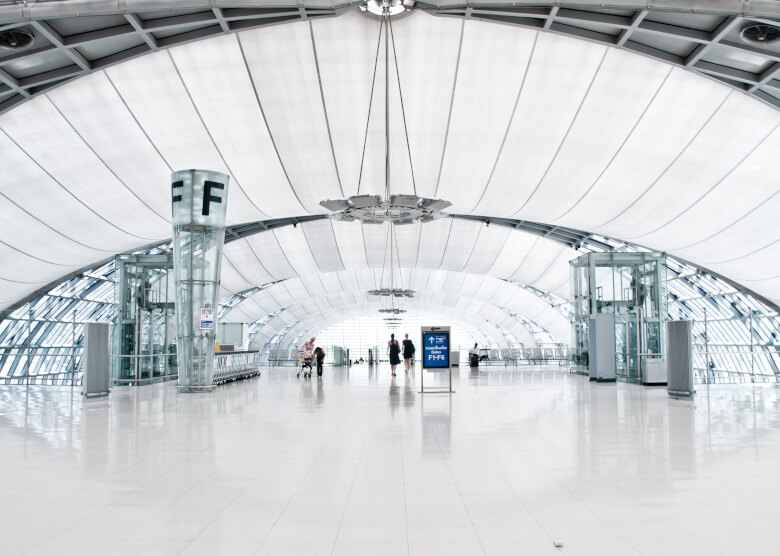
283 357
543 354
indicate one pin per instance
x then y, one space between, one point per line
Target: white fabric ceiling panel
471 284
498 292
513 253
433 241
245 261
744 189
331 282
538 261
482 107
289 292
281 61
419 280
235 121
322 243
296 249
436 280
427 53
408 241
717 149
134 159
314 286
463 237
265 300
367 279
20 231
348 280
377 242
152 89
231 279
238 314
556 275
27 269
352 249
271 255
454 282
616 101
32 189
729 246
346 74
45 136
682 107
557 81
486 249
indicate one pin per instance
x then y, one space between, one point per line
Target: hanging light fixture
397 209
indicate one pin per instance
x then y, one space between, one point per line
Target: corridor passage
517 460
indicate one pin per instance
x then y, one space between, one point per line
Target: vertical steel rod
29 350
752 353
386 16
706 354
73 356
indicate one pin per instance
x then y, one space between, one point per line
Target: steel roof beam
138 26
56 39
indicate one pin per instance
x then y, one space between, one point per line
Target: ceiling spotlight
759 34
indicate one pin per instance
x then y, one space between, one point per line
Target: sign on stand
207 318
436 356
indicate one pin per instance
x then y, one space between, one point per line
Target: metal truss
699 36
70 43
72 40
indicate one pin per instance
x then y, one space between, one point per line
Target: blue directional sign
436 350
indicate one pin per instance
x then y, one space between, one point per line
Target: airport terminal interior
389 277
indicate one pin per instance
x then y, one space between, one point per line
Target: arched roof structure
534 121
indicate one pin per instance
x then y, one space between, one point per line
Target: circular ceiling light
16 39
393 7
395 292
398 209
759 34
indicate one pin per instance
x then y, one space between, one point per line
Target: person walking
319 357
408 352
394 350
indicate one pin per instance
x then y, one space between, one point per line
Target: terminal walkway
519 458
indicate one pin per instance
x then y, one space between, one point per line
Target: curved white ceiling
503 121
329 266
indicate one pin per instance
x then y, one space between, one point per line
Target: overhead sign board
207 318
436 347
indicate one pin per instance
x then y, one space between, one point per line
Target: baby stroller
305 364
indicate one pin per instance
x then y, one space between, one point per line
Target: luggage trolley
305 364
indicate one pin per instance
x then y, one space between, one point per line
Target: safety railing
49 365
719 358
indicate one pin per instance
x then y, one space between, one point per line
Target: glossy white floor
356 464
